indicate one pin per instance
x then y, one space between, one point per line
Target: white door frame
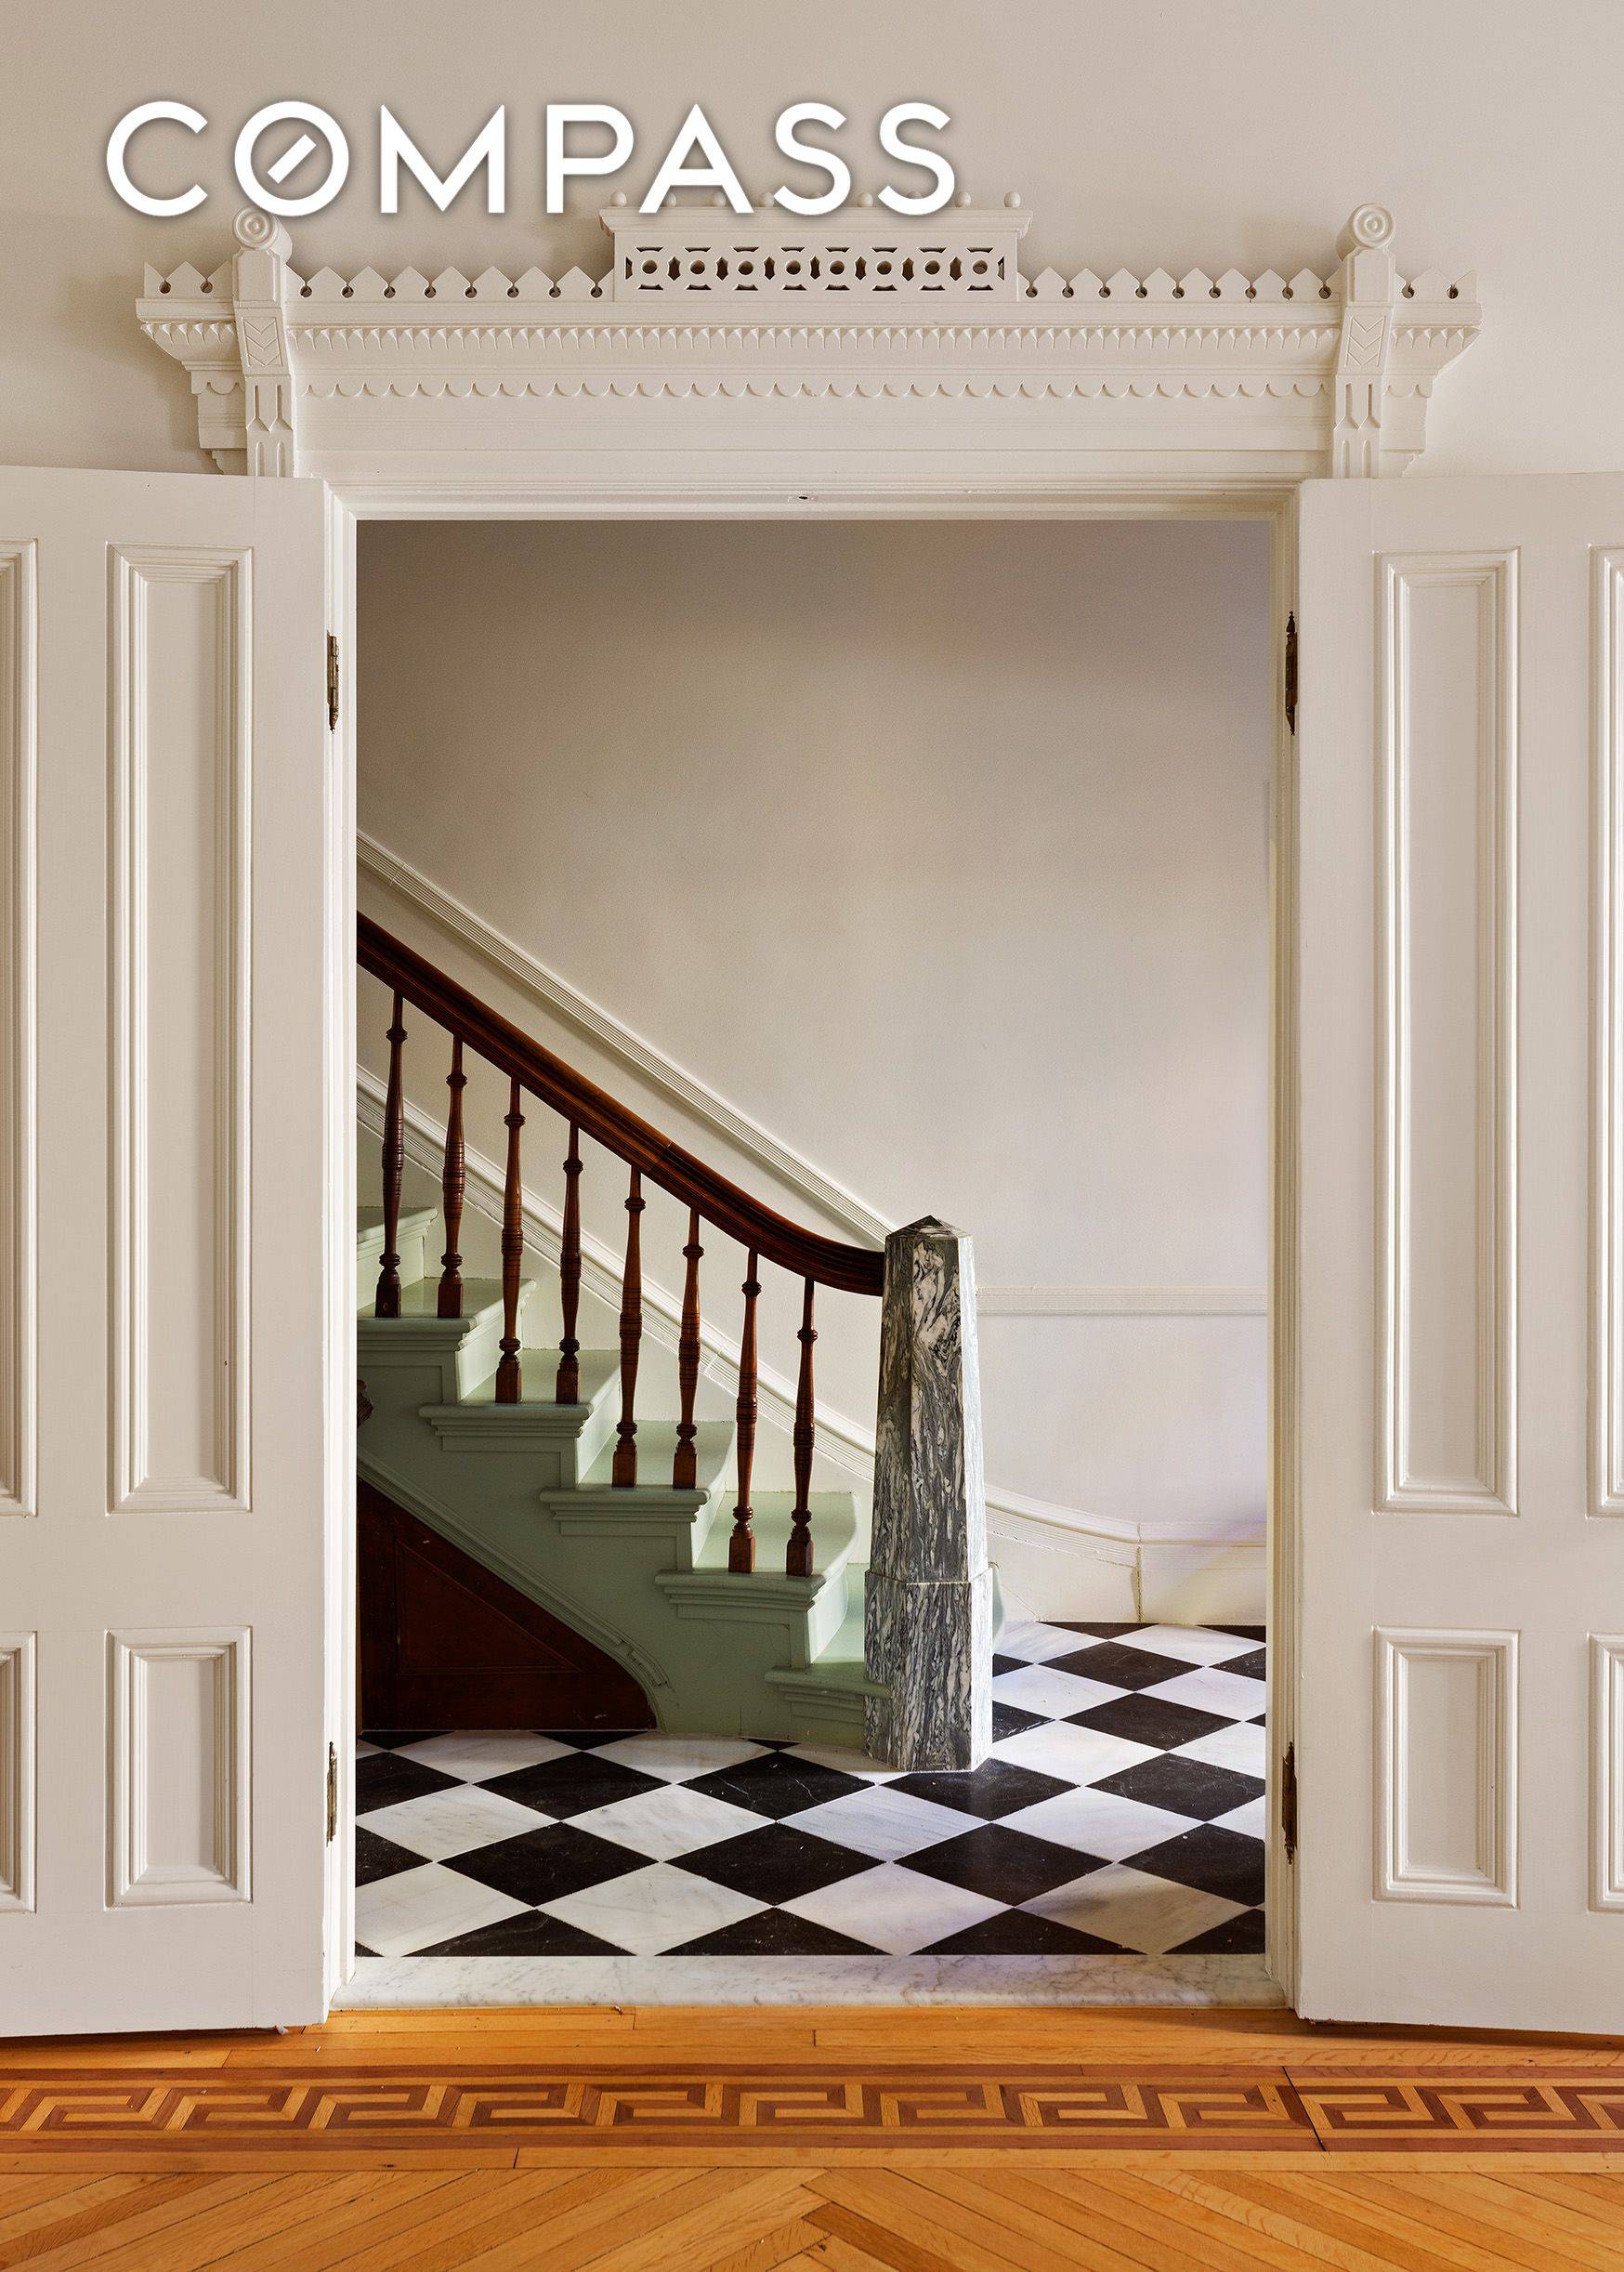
749 367
784 496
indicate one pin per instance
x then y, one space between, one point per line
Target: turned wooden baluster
509 1373
685 1466
741 1546
568 1388
798 1557
624 1470
386 1301
454 1183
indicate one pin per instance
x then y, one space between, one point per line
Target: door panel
164 1097
1459 757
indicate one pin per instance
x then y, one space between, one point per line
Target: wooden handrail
760 1229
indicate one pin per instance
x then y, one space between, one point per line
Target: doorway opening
890 868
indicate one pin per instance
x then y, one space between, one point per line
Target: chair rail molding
818 348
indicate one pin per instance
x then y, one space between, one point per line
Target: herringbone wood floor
345 2146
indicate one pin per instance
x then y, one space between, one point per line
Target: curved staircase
641 1570
738 1611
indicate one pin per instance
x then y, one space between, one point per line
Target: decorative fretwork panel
959 266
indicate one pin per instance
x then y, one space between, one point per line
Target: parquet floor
744 2141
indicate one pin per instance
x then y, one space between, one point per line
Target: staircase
737 1610
640 1570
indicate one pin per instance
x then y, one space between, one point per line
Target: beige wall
1183 133
941 856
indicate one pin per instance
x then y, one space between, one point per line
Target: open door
1459 1707
169 1379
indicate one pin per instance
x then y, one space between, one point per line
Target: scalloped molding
814 337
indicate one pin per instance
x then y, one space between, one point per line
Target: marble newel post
929 1618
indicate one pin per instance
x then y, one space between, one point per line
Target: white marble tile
478 1756
1210 1690
1133 1909
844 1762
894 1909
1075 1754
1251 1820
668 1822
653 1909
1034 1643
678 1759
1098 1822
417 1907
445 1823
1192 1644
1241 1746
1040 1688
887 1824
364 1750
425 1982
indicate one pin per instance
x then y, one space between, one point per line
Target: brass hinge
332 1792
333 682
1292 672
1288 1801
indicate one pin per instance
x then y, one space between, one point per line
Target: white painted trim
1491 1487
561 1000
18 1022
137 1199
1239 382
1121 1302
137 1877
1606 1231
1492 1878
1607 1771
18 1771
845 1442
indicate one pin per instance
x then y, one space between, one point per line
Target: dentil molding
816 344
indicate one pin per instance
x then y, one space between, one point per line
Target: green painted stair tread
656 1449
419 1304
835 1527
539 1378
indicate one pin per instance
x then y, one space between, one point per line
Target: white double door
168 1362
175 1375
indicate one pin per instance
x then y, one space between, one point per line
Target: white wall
943 857
1181 134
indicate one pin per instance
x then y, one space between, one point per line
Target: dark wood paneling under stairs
446 1644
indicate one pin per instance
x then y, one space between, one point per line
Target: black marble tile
589 1739
777 1784
392 1739
774 1863
1149 1719
1211 1860
572 1785
1248 1633
1254 1667
533 1934
1007 1664
1184 1786
1242 1935
380 1858
1015 1931
1009 1720
997 1788
773 1932
1119 1665
544 1865
1005 1865
383 1779
1106 1632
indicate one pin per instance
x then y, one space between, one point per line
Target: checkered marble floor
1122 1811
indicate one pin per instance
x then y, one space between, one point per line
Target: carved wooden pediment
815 345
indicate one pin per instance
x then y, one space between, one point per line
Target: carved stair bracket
819 346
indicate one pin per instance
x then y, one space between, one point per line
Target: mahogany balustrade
765 1236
